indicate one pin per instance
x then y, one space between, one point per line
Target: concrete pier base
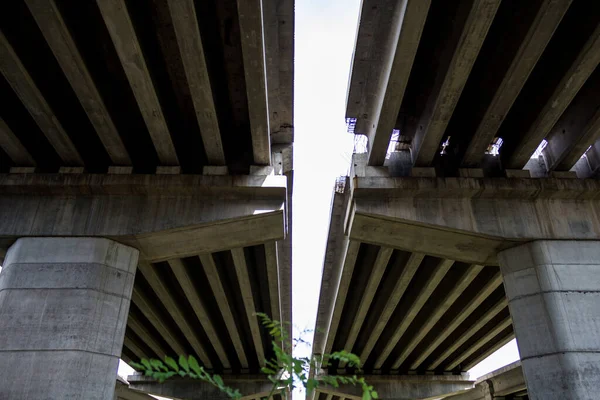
63 309
553 288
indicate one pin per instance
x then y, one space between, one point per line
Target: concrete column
553 288
63 310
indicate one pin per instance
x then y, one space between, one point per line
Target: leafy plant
284 370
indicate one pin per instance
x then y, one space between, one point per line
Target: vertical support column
63 310
553 288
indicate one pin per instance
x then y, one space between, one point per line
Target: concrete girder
250 386
381 263
123 35
185 281
447 90
405 28
60 41
470 219
175 311
193 58
484 292
13 147
576 130
253 51
405 387
164 217
506 381
225 307
471 272
23 85
581 69
241 270
439 270
546 21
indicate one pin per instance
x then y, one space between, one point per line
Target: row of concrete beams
122 32
385 50
165 295
503 214
339 267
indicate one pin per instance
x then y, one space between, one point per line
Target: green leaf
366 396
218 380
147 364
137 366
193 363
184 363
374 395
171 363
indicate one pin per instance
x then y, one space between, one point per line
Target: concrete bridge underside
468 218
146 183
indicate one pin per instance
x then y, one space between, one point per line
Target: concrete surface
505 382
63 307
553 288
405 387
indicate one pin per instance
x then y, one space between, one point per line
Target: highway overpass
468 217
145 188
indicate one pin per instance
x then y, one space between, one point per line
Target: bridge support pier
553 288
64 303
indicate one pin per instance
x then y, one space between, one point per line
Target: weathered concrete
405 387
63 307
250 386
470 219
162 216
505 382
553 288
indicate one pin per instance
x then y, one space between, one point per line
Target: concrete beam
444 304
576 130
381 262
250 15
468 219
13 147
185 281
148 308
272 261
438 271
350 254
278 25
447 91
505 381
57 35
187 33
250 386
172 219
405 387
546 21
408 272
23 85
408 20
241 270
485 339
138 328
225 309
473 329
121 30
483 294
586 62
331 276
165 297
